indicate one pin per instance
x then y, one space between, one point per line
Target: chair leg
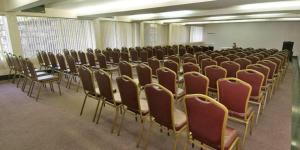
96 110
245 132
148 135
83 104
175 141
122 120
19 80
58 84
141 133
24 84
103 103
32 89
77 89
187 140
115 120
38 94
258 112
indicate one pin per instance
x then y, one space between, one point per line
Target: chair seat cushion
180 119
241 115
230 135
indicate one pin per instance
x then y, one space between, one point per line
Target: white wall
256 35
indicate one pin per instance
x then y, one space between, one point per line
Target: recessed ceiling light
220 17
141 16
170 20
227 21
266 15
180 13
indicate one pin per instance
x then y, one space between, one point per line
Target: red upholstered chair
190 59
144 74
253 59
144 55
162 111
277 74
190 67
234 94
271 78
116 57
172 65
255 79
201 57
207 62
231 68
214 55
167 78
82 58
108 97
260 56
160 54
125 56
154 64
134 56
243 62
232 57
221 59
241 54
188 55
195 83
125 69
182 51
214 73
207 123
103 64
174 58
131 102
89 88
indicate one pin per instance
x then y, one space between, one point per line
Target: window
54 34
196 34
156 34
5 45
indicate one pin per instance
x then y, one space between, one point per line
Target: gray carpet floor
53 123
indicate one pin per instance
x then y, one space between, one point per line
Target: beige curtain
196 34
180 34
155 34
4 44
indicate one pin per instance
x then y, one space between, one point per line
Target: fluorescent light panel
270 5
220 17
269 15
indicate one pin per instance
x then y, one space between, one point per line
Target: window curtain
119 34
196 34
54 34
5 45
156 34
180 34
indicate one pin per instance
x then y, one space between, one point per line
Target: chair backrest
52 59
45 58
125 69
74 55
172 65
31 69
244 62
17 63
252 77
231 68
116 56
190 59
91 58
182 51
232 57
104 85
195 83
241 54
134 55
23 65
207 62
271 65
71 64
227 94
107 55
87 80
144 55
144 74
190 67
129 93
214 73
66 52
252 58
214 55
276 61
174 58
39 57
61 61
201 57
82 57
154 65
101 60
160 54
188 55
167 78
125 56
207 120
262 69
220 59
161 104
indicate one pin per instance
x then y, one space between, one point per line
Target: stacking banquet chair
231 68
130 97
125 68
154 64
75 56
200 58
73 73
232 57
144 56
255 79
160 54
107 56
252 58
271 78
195 83
40 59
221 59
243 62
182 51
241 54
174 67
163 112
53 61
18 72
66 52
174 58
9 61
207 62
124 56
82 58
207 124
167 78
46 60
190 60
116 57
89 88
134 56
190 67
41 80
92 61
187 55
234 94
277 73
214 55
144 74
62 65
214 73
104 66
107 95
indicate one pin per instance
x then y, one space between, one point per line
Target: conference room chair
125 56
260 56
190 67
97 51
201 57
40 60
160 54
154 64
241 54
207 124
243 62
66 52
62 65
220 59
174 67
214 55
214 73
91 60
41 80
131 102
46 60
195 83
174 58
182 51
89 88
10 64
101 58
168 78
144 56
232 57
54 65
271 78
73 73
82 58
255 79
231 68
253 59
134 56
125 68
190 60
144 74
237 104
163 112
278 72
74 54
108 97
207 62
107 56
116 57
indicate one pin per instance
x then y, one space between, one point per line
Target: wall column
142 35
